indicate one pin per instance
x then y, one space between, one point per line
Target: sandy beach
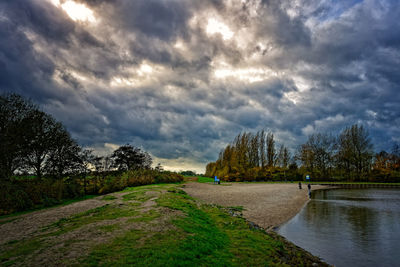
267 205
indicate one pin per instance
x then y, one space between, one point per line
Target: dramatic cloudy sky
182 78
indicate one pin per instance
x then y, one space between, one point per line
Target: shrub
22 194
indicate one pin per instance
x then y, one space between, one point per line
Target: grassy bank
199 179
157 225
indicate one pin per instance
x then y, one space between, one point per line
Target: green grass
19 249
138 196
110 228
24 177
109 197
152 187
146 217
106 212
202 179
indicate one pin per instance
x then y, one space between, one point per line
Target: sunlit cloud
301 83
79 76
143 74
120 81
145 69
250 75
294 97
179 45
76 11
214 27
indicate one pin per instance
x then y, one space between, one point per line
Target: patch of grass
138 196
152 187
177 200
250 246
146 217
109 197
177 191
110 228
118 252
106 212
202 179
18 249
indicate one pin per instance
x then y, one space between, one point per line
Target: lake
349 227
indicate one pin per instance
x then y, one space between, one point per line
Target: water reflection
357 227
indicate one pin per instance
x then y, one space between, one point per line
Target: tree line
33 142
349 156
41 164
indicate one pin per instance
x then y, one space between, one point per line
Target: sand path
22 226
267 205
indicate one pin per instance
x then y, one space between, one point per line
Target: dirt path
267 205
28 224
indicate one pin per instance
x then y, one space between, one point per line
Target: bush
23 194
13 198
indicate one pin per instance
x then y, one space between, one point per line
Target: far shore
267 205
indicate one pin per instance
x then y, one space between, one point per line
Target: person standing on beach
309 190
299 185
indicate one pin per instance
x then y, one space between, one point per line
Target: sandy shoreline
267 205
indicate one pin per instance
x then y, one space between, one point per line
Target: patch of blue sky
333 9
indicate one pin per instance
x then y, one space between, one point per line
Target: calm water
349 227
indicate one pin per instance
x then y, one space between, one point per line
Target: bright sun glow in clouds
247 74
214 26
76 11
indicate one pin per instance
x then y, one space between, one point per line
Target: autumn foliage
253 157
349 156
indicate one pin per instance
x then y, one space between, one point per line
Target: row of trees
33 142
347 156
251 156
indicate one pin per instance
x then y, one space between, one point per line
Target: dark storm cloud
145 71
288 32
163 20
20 68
